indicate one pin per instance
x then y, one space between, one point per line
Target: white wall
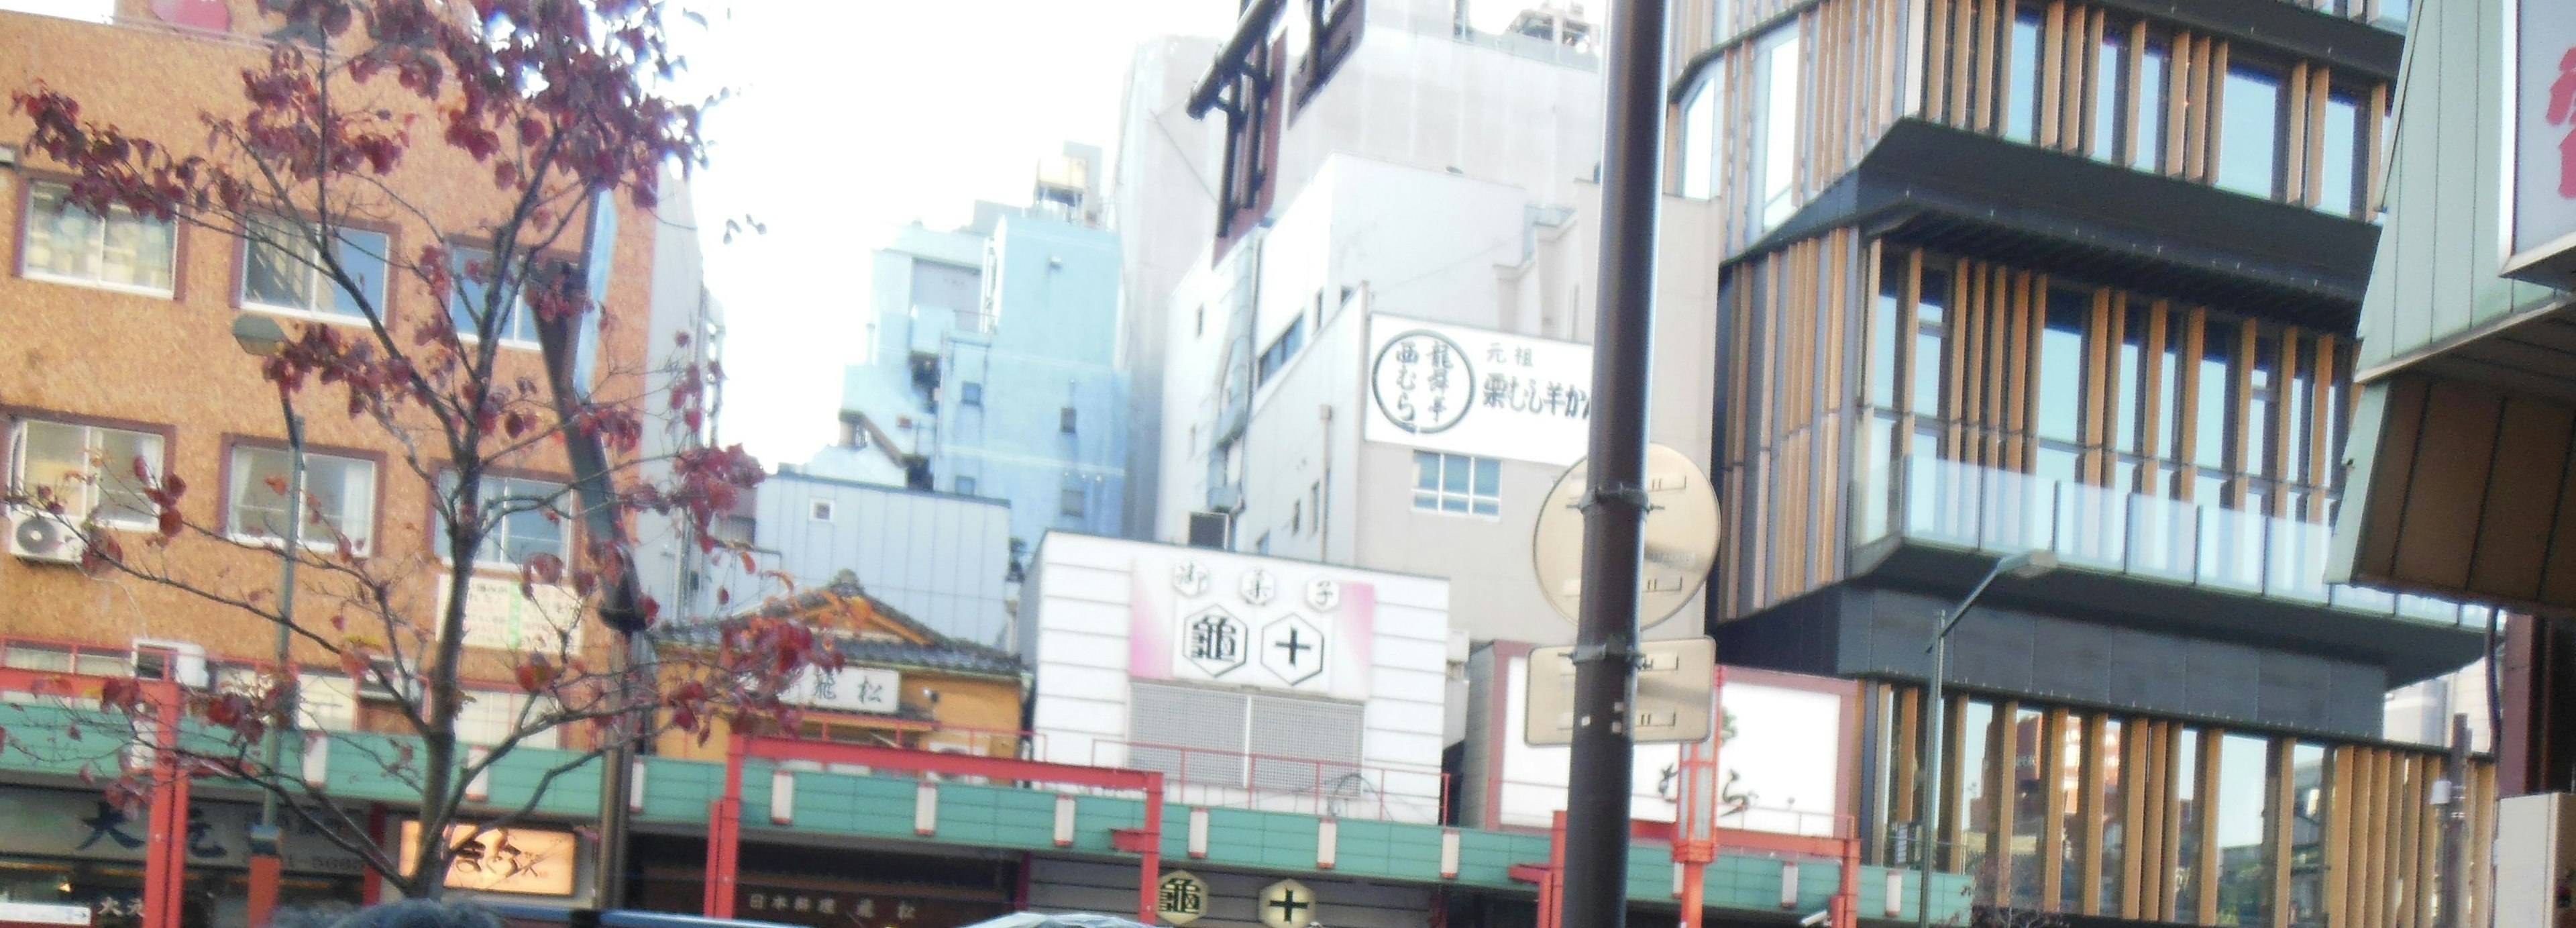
1100 612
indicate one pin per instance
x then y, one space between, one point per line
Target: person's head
420 913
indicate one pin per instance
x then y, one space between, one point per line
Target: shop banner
1476 392
85 826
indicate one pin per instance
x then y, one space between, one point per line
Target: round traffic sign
1681 537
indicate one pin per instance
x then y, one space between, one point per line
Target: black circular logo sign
1422 382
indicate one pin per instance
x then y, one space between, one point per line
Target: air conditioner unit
1209 529
35 535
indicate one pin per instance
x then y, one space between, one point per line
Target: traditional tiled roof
934 652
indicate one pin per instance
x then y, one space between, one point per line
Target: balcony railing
2094 528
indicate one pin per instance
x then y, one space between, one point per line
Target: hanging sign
1181 898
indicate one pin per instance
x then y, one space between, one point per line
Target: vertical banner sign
2541 223
1477 392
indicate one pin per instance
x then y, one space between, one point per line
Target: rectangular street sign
1676 693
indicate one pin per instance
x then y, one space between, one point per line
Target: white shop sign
502 617
2540 224
1476 392
850 689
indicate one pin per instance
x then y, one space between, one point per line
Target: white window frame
495 488
97 245
1440 496
316 281
90 446
237 476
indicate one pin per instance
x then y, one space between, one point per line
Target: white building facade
1248 681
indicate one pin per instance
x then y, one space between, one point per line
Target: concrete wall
1162 200
940 558
1423 245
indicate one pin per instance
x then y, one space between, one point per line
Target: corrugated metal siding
2435 278
941 559
1187 717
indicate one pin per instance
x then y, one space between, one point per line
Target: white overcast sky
853 117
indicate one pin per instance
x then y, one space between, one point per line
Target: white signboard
43 913
851 689
501 617
1470 391
2541 228
1250 621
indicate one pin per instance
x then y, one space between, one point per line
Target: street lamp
261 336
2022 566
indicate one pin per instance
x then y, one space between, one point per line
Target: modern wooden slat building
2002 275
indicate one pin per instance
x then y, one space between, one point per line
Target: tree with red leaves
556 112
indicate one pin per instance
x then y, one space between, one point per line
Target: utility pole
1614 505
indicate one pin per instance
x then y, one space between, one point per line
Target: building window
1456 483
2061 366
2338 174
2108 72
528 520
965 485
970 393
2149 134
1076 502
471 294
2021 111
819 510
1280 351
86 470
2249 132
1700 119
339 496
283 271
2244 808
1775 72
1297 517
1064 421
119 251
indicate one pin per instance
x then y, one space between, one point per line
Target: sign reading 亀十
1476 392
2541 231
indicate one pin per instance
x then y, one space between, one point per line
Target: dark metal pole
1605 655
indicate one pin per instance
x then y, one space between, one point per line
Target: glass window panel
2244 806
1777 149
2209 427
1930 312
1453 474
67 243
2021 114
2150 130
2129 404
471 294
2311 789
2187 792
1884 332
273 274
2115 814
280 272
1699 138
32 657
340 490
2262 395
2249 132
1426 470
362 257
2108 71
1426 501
1975 811
1453 504
1487 507
2030 771
86 470
2061 366
2054 463
2338 183
1489 477
2069 769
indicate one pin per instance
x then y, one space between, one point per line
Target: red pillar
1152 852
371 887
165 863
266 870
724 836
1846 907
